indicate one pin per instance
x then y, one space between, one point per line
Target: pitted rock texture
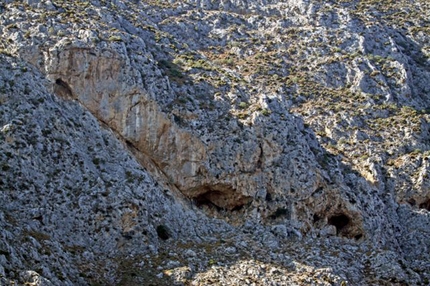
299 120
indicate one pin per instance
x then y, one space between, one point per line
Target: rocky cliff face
214 142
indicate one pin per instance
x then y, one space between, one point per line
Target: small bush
172 70
266 112
243 105
115 39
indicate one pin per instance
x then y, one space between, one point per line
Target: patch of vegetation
96 161
115 39
243 105
130 271
265 112
39 236
172 70
5 167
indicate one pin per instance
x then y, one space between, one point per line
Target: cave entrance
340 221
425 205
221 197
163 232
205 199
63 89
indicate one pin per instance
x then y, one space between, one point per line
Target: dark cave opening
280 212
316 218
62 88
425 205
204 199
237 208
220 198
340 221
358 236
163 232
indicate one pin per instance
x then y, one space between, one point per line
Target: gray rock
131 130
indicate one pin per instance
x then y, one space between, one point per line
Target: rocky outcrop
71 191
105 83
283 118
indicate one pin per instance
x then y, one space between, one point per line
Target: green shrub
243 105
172 70
266 112
115 39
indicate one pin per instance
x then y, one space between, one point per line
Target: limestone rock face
162 139
225 172
108 86
70 189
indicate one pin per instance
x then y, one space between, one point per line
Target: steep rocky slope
215 142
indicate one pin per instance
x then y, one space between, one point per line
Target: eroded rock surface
127 125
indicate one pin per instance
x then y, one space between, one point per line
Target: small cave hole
316 218
127 235
425 205
163 232
339 221
62 88
280 212
412 202
237 208
358 236
177 119
268 197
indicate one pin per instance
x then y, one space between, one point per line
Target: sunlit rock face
159 140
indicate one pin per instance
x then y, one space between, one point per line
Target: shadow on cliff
341 219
